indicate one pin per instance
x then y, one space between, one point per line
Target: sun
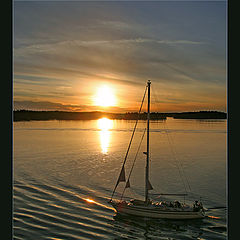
105 97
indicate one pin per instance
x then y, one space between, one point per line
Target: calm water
58 165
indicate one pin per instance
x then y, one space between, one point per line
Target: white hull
156 212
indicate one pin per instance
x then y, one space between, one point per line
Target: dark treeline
199 115
27 115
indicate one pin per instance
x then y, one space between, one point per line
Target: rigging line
176 159
180 168
156 99
130 141
180 173
186 179
134 162
174 153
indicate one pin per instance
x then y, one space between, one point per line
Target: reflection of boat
148 208
152 227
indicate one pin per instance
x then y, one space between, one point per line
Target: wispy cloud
35 48
55 106
46 105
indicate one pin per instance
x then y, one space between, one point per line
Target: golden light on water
104 124
214 217
89 200
105 97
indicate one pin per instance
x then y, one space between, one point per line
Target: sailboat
148 208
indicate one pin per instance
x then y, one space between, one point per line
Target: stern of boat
117 205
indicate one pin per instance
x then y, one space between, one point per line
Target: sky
66 53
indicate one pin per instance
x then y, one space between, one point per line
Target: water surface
60 165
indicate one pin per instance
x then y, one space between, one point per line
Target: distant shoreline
28 115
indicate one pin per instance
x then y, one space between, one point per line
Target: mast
147 160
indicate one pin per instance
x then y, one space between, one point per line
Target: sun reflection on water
89 200
104 124
94 202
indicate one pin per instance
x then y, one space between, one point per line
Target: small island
28 115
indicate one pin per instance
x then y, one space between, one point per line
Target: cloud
54 106
83 58
46 105
65 49
46 47
180 42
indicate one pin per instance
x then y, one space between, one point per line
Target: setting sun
105 97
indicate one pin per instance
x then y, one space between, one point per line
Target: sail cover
149 185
